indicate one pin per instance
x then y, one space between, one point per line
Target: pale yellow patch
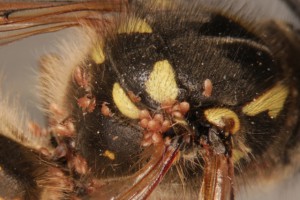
240 151
218 116
237 155
180 121
135 25
272 101
164 4
123 102
98 54
109 155
161 85
159 5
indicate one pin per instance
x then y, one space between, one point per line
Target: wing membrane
140 185
20 20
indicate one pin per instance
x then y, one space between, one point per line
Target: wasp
152 99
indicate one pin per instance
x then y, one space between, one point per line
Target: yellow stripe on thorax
161 85
98 55
272 101
123 102
218 117
135 25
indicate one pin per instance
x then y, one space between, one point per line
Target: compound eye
223 118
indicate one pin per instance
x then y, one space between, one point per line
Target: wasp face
172 101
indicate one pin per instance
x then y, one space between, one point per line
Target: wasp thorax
152 90
153 85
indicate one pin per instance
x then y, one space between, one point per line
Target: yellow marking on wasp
98 53
135 25
109 155
161 85
242 152
124 103
237 155
163 4
181 121
272 101
224 118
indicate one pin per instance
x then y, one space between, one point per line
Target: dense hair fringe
56 70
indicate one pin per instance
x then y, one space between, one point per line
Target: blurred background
19 69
